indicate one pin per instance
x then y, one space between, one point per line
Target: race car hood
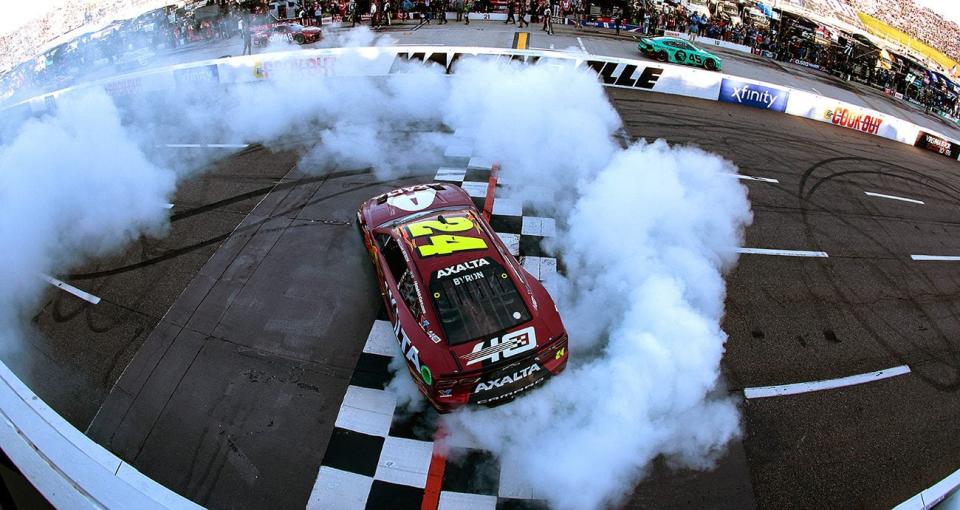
411 200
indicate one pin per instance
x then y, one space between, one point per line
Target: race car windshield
476 299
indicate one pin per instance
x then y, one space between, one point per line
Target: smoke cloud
73 185
645 234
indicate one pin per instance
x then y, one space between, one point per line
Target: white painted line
404 461
828 384
752 178
382 340
929 498
582 47
817 91
892 197
948 258
86 296
367 411
207 145
450 500
340 490
782 253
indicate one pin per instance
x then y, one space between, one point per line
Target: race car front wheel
298 38
710 64
662 56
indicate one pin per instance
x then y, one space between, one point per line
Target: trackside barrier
68 468
709 41
72 471
614 72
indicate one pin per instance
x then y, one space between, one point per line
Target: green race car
678 51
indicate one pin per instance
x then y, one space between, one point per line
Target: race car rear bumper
502 384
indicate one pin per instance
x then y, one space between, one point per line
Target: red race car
294 32
474 326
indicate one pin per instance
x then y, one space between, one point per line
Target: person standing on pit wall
247 37
616 19
522 7
547 19
512 6
442 11
694 28
466 12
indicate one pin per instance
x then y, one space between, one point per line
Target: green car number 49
678 51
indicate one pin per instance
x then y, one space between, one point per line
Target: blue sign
751 94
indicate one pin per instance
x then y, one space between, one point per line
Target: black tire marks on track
948 354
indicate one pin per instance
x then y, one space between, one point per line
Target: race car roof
444 239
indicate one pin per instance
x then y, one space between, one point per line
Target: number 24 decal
445 244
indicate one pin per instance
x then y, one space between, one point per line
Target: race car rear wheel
710 64
298 38
662 56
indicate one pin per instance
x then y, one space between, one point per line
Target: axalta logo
508 379
509 345
844 117
473 264
406 346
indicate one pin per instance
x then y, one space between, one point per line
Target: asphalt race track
228 381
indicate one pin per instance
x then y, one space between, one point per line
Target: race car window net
408 292
477 303
393 256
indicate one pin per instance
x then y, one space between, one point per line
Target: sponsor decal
471 264
613 73
511 394
433 336
853 119
406 346
322 66
203 75
412 200
519 375
561 353
752 94
123 87
509 345
937 144
804 63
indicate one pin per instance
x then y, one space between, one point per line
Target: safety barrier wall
72 471
615 72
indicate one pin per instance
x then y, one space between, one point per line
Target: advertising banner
765 97
846 115
937 144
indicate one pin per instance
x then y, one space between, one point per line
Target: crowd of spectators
27 41
905 15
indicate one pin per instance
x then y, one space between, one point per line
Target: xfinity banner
752 94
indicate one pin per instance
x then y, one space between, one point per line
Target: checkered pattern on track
379 458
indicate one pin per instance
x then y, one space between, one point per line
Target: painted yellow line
522 40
